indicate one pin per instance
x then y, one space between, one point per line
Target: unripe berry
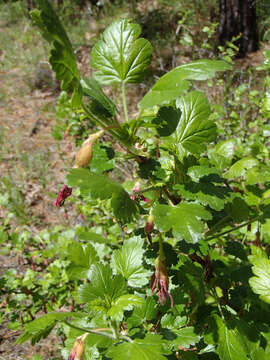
85 153
78 348
149 225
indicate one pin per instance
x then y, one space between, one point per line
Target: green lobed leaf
146 312
152 347
62 57
41 327
128 262
204 193
260 283
185 337
257 174
173 84
230 347
204 173
103 286
81 257
190 275
184 220
240 167
237 208
119 56
194 130
101 161
235 340
86 235
101 187
124 302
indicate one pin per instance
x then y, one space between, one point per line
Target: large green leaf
103 286
41 327
81 257
184 220
260 283
62 57
173 84
119 56
152 347
235 340
230 347
84 255
128 262
204 193
99 186
194 130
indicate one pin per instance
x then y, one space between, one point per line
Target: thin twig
235 228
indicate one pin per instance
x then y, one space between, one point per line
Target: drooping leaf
184 220
152 347
124 302
173 84
62 57
128 262
119 56
260 283
101 187
41 327
194 130
93 90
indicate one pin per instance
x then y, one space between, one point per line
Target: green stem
124 100
113 132
126 338
214 294
235 228
91 331
161 251
218 224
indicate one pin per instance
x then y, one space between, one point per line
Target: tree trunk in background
238 17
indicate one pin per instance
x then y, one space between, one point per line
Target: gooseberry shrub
185 273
